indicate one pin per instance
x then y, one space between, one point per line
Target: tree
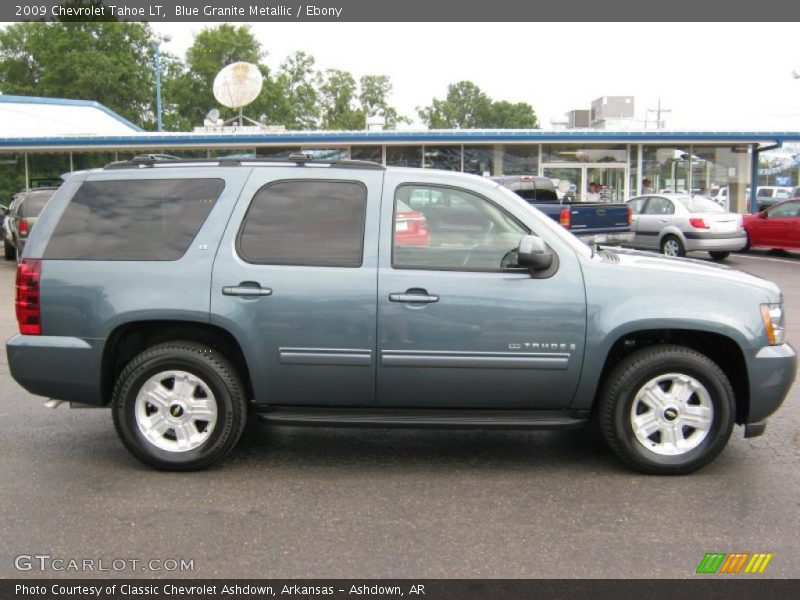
507 115
338 94
109 62
374 98
294 98
467 107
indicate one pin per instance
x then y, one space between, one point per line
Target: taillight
630 216
565 217
29 315
23 226
698 223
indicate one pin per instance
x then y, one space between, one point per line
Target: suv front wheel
179 406
667 410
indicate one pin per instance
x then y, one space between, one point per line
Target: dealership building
41 138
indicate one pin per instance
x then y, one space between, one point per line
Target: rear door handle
247 289
414 296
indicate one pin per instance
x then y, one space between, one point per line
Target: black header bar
247 11
706 587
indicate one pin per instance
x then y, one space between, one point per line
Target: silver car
675 224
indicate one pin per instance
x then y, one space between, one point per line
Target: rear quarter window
138 219
305 223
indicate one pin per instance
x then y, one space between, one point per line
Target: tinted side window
659 206
637 204
312 223
460 231
137 219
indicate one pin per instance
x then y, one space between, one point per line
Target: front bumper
607 239
64 368
772 370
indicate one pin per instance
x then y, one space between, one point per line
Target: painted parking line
781 260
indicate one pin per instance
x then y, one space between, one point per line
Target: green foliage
294 99
374 99
109 62
112 63
507 115
467 107
337 97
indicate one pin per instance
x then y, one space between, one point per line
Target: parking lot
304 502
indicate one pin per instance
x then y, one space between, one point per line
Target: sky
723 76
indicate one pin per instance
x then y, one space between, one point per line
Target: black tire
207 366
680 250
9 250
631 376
719 255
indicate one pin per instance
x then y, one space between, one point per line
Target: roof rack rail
298 158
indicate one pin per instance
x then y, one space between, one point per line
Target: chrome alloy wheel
176 411
672 414
672 247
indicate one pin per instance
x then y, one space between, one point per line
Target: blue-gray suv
192 295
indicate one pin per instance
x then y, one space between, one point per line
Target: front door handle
414 295
248 289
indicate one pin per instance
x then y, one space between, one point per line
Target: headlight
773 322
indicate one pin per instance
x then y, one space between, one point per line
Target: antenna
236 86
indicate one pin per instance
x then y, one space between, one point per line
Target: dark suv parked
184 293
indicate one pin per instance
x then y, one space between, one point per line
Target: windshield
700 204
548 223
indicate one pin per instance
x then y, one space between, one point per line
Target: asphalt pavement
304 502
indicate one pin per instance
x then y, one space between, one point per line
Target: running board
422 418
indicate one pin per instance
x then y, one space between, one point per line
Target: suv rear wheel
9 250
179 406
667 410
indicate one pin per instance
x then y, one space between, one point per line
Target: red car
776 227
410 227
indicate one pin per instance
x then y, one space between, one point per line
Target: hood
687 267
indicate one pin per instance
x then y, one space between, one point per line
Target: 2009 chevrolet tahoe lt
192 295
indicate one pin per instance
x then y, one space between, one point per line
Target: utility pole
156 41
658 111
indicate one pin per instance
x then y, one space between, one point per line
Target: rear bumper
772 370
724 242
65 368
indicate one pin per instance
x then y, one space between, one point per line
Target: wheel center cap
670 414
176 411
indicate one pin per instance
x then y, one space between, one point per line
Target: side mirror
534 253
762 214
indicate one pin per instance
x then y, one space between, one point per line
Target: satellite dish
238 84
213 115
